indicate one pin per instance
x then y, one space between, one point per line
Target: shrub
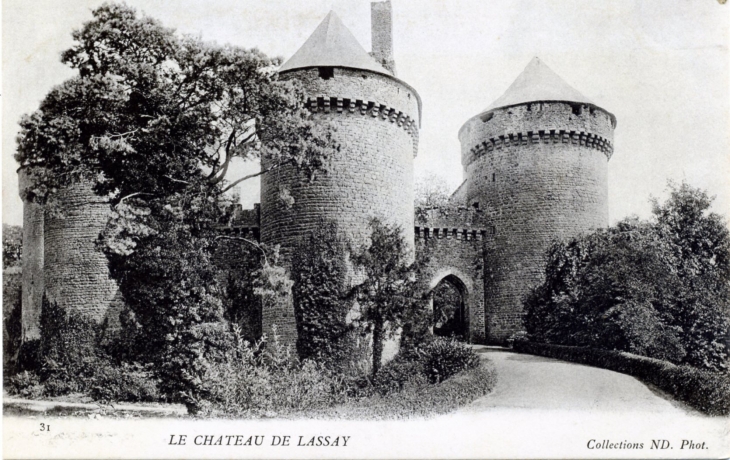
126 382
443 358
68 359
418 399
658 288
12 321
26 384
257 382
704 390
12 245
398 373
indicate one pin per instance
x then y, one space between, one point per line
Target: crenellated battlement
553 136
456 222
352 106
463 234
244 222
452 216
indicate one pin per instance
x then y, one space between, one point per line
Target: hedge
708 392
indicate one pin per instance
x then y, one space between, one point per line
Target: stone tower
32 278
377 118
536 161
60 257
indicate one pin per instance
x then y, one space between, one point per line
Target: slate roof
539 83
332 45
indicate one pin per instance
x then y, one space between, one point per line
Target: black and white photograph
366 229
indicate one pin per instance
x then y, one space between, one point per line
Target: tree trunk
378 336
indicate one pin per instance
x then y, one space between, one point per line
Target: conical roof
332 45
539 83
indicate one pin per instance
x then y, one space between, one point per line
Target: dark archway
450 314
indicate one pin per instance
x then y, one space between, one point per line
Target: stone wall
76 272
377 121
457 252
540 172
33 268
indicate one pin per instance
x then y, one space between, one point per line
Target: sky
662 68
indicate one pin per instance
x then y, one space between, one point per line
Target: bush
659 288
69 359
254 381
443 358
257 382
418 399
26 384
126 382
706 391
398 373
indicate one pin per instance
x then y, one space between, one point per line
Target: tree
390 289
608 289
701 246
12 245
431 192
659 288
153 121
320 296
241 305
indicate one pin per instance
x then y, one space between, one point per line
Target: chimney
381 23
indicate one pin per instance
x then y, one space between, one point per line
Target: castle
535 164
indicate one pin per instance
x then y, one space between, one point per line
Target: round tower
32 276
377 118
536 161
76 271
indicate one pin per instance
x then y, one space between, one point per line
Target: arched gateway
453 256
449 300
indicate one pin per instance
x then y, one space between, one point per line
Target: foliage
12 319
241 305
26 384
12 245
390 289
71 359
400 372
431 192
659 289
158 114
153 121
706 391
257 382
417 399
170 286
124 382
272 282
700 243
320 296
443 358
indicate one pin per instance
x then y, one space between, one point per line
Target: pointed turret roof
332 45
539 83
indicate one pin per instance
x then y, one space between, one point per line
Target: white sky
661 67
